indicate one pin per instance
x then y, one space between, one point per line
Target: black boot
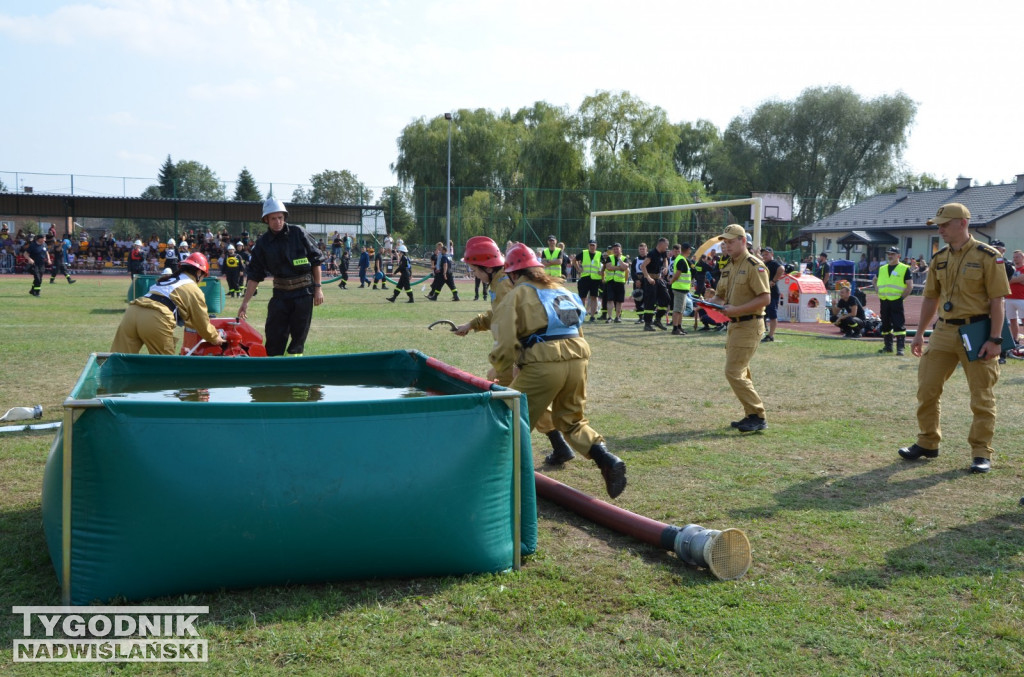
411 298
901 342
391 299
455 296
613 469
887 348
561 451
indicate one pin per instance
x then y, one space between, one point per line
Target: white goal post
756 201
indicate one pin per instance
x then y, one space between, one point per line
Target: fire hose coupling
725 553
23 413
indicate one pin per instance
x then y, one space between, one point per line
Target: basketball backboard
775 206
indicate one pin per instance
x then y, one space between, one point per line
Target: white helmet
272 205
231 247
239 244
183 245
170 242
137 243
402 248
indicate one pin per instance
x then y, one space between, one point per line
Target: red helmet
197 261
520 256
483 251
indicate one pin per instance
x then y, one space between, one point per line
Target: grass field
863 563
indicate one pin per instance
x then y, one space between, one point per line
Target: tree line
544 168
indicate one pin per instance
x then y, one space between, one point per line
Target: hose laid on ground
725 553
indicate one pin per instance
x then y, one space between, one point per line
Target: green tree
245 188
551 173
167 179
334 187
184 180
633 146
485 153
829 147
3 186
196 181
696 145
914 182
397 213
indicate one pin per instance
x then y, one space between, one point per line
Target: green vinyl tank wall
170 497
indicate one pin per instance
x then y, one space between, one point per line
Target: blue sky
289 88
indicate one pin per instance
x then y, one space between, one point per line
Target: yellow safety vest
552 262
617 275
591 266
890 287
683 283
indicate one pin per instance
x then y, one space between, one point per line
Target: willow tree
633 146
829 146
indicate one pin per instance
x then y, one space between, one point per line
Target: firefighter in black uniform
293 258
231 264
60 261
404 275
171 256
40 257
136 260
655 290
636 274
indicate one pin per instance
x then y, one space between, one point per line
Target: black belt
534 339
744 318
961 321
165 301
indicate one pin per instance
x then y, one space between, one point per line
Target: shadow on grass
27 578
838 493
982 548
107 311
643 443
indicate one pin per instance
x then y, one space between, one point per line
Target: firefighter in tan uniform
539 335
174 299
966 283
743 291
485 261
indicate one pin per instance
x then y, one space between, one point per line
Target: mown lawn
863 563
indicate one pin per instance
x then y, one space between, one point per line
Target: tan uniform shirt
521 314
191 309
967 280
743 280
499 288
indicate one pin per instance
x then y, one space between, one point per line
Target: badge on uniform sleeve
1000 259
760 269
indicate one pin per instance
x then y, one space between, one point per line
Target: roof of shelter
868 237
905 210
78 206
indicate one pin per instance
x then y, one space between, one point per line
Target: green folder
975 334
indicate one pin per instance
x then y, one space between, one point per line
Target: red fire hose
726 553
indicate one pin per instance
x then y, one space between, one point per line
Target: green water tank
213 290
140 285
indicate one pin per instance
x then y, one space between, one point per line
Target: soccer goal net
629 239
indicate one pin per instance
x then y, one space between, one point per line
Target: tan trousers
543 424
741 341
940 357
562 386
144 326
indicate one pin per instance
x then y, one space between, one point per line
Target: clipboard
975 334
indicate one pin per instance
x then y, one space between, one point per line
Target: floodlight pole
448 214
